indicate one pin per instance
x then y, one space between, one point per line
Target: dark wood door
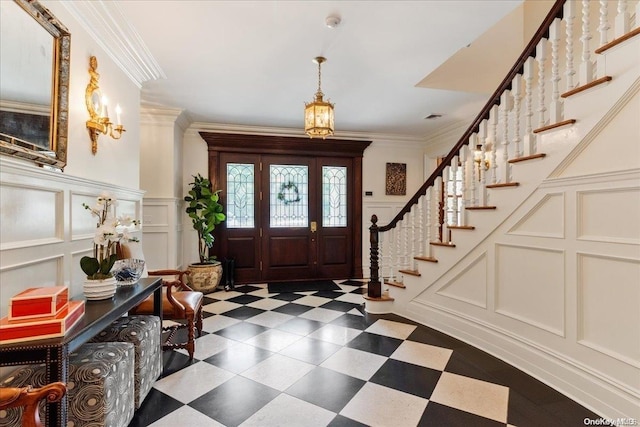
293 205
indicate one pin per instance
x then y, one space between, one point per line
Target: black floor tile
340 306
460 365
353 321
174 361
239 358
413 379
530 388
524 413
243 313
234 401
293 309
288 296
244 299
155 406
300 326
328 294
209 299
310 350
326 388
360 291
430 336
374 343
241 331
247 288
354 282
570 412
340 421
444 416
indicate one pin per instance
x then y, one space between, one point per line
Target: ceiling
249 63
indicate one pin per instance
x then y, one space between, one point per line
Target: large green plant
205 212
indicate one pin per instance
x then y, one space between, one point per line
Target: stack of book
39 313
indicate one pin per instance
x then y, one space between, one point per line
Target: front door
288 217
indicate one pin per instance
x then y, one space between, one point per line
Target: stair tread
382 298
461 227
503 185
425 258
395 284
589 85
480 208
410 272
617 41
448 245
525 158
555 125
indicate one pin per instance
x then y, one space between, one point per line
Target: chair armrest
174 302
28 397
180 283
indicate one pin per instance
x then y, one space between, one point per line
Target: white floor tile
279 372
270 319
471 395
220 307
215 323
355 363
352 298
336 334
376 405
321 314
224 295
425 355
186 416
208 345
193 381
287 411
267 303
273 340
391 329
355 312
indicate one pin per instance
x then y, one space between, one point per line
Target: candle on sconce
118 111
105 111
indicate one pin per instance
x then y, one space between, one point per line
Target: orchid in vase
109 231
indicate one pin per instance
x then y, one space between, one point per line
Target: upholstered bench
144 333
100 388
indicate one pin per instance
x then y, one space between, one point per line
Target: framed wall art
396 179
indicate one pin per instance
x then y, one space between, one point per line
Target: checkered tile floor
317 359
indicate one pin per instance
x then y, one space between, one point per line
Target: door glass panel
240 195
334 196
289 196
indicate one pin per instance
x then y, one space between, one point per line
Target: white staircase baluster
414 216
505 106
420 229
586 66
445 201
463 182
407 230
604 26
569 17
454 190
622 23
555 110
392 254
529 137
516 91
493 144
438 200
482 172
541 57
471 167
428 201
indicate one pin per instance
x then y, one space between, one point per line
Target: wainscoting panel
155 245
470 284
29 215
609 306
44 230
530 286
162 230
546 219
609 215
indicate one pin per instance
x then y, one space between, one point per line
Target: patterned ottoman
100 387
144 333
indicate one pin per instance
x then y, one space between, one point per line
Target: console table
54 351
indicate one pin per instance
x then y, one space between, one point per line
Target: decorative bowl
127 271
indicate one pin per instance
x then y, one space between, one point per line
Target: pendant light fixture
318 115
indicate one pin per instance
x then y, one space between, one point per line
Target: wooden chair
181 304
29 398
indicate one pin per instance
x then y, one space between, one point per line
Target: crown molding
275 131
109 27
164 117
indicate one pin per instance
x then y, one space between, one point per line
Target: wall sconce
97 106
477 158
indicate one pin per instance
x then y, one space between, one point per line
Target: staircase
509 245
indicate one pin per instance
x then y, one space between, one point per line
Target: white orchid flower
126 220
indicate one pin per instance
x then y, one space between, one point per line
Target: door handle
314 226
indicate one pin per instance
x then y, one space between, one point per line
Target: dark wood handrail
543 31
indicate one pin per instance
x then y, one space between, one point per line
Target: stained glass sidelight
240 195
289 196
334 196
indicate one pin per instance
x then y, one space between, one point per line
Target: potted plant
205 211
110 230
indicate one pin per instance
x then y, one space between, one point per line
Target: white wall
44 229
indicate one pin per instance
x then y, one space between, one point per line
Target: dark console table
54 351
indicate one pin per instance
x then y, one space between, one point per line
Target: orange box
34 303
36 329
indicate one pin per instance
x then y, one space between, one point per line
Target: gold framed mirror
34 83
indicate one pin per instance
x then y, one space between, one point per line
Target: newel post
374 289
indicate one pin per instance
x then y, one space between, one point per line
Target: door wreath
289 193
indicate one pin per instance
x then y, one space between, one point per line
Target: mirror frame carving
56 156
